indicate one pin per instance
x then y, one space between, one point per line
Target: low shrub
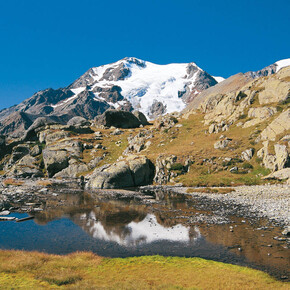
247 165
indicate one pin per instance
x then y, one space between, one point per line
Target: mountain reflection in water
136 233
174 225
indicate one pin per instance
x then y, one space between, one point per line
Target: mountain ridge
128 84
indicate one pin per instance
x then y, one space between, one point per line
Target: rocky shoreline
258 201
263 201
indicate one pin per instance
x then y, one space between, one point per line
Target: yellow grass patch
44 182
87 271
11 181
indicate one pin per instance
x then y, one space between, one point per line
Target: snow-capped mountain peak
151 88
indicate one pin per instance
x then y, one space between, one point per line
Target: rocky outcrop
282 174
167 168
35 150
139 142
274 91
25 167
73 170
259 115
50 136
247 154
132 171
278 126
17 153
166 122
222 144
38 125
282 156
276 161
78 122
242 98
118 119
73 147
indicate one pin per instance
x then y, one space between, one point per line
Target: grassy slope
87 271
191 140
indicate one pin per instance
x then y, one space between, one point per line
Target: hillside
236 134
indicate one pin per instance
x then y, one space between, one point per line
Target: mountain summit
153 89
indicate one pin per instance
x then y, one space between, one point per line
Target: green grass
32 270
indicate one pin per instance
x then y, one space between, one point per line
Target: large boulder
73 170
79 125
73 147
54 136
118 119
221 144
259 115
274 162
275 91
247 154
130 172
55 161
78 122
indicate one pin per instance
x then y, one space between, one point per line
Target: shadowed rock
118 119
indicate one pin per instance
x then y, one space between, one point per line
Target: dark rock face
118 119
2 146
119 72
84 80
110 94
204 81
15 123
45 98
85 106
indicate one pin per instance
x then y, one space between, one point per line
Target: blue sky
51 43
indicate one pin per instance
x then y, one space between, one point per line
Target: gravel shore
264 201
